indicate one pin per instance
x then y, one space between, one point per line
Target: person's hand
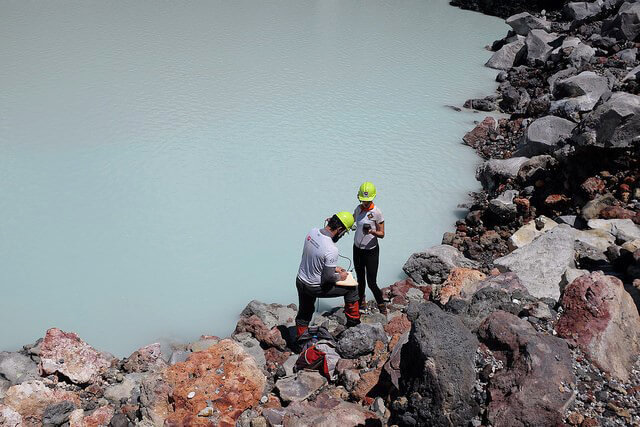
343 275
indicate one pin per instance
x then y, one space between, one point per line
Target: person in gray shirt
319 272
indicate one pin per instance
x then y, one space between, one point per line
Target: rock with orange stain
67 354
31 398
99 417
224 375
461 280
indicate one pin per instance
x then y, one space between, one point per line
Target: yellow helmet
347 219
367 192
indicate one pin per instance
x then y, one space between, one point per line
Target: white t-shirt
318 252
373 218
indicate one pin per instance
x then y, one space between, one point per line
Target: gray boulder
633 75
577 11
301 386
579 93
4 386
624 230
438 369
544 136
360 340
124 390
625 25
581 54
433 265
536 168
524 22
538 44
17 368
508 55
271 314
615 123
252 347
495 171
593 207
628 55
57 413
503 208
541 263
559 76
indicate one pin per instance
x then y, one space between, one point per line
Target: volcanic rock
461 282
528 232
148 358
538 44
496 171
524 22
508 55
544 136
601 318
17 368
553 253
625 25
9 417
533 387
67 354
481 132
272 315
301 386
254 325
435 264
359 340
326 411
577 11
31 398
615 123
437 366
580 93
224 375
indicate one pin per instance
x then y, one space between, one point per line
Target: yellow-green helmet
367 192
347 219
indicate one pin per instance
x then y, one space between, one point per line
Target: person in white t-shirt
366 252
319 272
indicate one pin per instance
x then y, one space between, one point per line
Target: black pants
307 298
366 262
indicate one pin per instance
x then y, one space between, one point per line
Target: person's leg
372 261
306 307
351 306
358 263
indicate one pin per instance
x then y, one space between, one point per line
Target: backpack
317 352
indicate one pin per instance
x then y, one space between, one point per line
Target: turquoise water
161 162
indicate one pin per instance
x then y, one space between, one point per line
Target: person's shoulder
356 211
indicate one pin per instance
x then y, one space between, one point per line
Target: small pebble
191 395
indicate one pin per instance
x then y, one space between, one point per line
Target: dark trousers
307 298
366 263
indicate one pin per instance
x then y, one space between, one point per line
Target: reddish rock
256 327
67 354
275 358
398 325
557 201
225 374
368 380
147 358
98 418
531 389
398 291
481 132
601 318
593 186
618 212
31 398
460 280
523 204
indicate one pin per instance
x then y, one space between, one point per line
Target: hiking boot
382 308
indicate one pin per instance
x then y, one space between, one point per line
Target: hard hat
346 218
367 192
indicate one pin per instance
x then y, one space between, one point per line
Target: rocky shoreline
527 314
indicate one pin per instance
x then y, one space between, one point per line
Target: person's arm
331 273
379 232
